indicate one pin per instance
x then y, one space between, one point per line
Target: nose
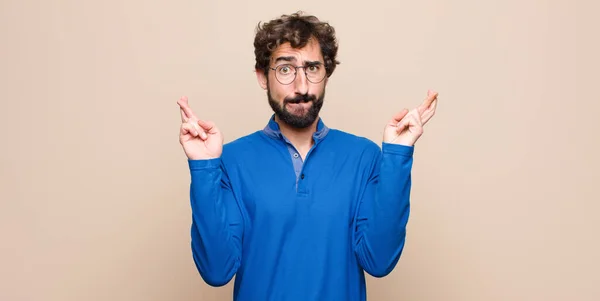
301 82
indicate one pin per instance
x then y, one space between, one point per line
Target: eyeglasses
286 73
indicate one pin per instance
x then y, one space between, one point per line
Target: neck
301 139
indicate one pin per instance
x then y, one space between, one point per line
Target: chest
278 191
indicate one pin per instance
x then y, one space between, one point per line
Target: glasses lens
315 73
285 74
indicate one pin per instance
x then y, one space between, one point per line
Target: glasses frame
296 72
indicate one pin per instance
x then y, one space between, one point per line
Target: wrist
398 149
207 163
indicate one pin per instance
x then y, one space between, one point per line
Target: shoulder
351 141
244 148
239 145
354 148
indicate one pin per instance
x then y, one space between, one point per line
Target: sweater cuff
204 164
403 150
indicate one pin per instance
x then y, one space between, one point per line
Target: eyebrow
285 58
293 59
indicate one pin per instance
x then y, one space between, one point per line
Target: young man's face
296 101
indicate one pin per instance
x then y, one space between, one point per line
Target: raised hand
406 127
200 139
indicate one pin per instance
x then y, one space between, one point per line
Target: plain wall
94 184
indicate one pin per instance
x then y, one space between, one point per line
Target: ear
262 78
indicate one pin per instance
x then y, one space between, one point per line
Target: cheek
317 89
279 92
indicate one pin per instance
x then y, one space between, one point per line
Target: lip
298 102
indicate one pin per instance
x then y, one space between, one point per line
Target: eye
313 68
285 69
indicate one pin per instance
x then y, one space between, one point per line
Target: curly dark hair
297 29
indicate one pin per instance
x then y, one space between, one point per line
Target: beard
306 119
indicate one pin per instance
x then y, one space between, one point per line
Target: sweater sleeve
217 225
382 216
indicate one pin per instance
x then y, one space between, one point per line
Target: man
297 211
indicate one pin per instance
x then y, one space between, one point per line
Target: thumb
206 125
403 124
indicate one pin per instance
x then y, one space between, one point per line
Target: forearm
216 228
385 212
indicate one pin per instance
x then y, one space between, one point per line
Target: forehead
310 52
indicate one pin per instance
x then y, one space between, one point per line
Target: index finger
431 96
185 108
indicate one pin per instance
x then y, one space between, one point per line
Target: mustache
300 98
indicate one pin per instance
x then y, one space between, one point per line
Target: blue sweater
294 230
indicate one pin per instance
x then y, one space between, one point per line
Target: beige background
94 185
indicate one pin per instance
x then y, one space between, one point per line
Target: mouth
296 101
299 104
298 108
